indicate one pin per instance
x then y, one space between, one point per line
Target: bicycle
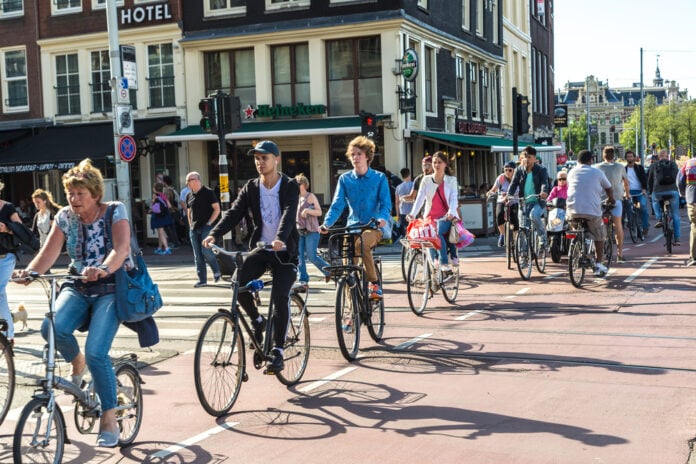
528 245
7 372
510 249
406 253
41 434
608 219
353 304
632 218
425 278
667 223
220 360
581 254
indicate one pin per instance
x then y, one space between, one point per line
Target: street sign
127 148
124 120
122 94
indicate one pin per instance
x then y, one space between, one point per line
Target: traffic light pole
224 179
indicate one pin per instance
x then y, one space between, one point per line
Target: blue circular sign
126 148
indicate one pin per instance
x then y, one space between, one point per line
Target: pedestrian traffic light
231 113
522 113
209 115
369 125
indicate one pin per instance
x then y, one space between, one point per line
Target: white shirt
270 211
585 188
633 182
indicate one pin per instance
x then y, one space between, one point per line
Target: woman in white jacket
438 195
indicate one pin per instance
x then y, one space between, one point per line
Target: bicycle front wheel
668 227
129 403
576 265
524 254
375 324
40 434
348 317
406 253
296 348
7 377
219 365
418 285
632 223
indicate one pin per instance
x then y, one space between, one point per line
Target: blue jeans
308 251
643 207
446 249
534 211
7 265
202 255
673 197
73 310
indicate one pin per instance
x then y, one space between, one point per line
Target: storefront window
354 72
339 162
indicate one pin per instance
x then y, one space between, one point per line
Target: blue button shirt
366 196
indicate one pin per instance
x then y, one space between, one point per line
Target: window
14 80
494 86
290 74
232 72
466 15
101 4
283 4
423 4
473 85
354 73
429 78
101 73
67 85
461 82
486 94
480 5
160 66
9 8
494 17
224 7
66 6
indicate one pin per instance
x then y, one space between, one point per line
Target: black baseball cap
265 147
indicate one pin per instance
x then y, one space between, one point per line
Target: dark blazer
249 199
642 177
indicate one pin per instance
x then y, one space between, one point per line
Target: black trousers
283 274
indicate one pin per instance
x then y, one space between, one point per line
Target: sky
603 38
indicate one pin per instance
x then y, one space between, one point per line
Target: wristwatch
104 268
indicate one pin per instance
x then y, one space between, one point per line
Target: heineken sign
268 111
409 65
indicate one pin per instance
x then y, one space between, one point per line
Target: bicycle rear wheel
576 265
406 253
129 403
347 317
418 286
40 434
450 285
296 349
524 254
632 222
668 227
540 252
375 324
608 255
510 256
7 377
219 364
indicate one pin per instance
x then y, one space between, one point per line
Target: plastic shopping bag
423 230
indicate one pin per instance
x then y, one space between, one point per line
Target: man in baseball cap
265 147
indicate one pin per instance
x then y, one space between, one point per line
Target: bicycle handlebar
371 224
36 276
259 246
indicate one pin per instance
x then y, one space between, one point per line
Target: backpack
664 174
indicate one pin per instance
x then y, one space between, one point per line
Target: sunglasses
562 178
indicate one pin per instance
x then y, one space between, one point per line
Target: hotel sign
145 13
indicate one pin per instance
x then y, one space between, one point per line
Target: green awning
496 144
270 129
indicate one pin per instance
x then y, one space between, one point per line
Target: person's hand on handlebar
278 245
22 276
323 229
208 241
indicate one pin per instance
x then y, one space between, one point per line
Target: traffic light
209 115
369 125
231 113
522 113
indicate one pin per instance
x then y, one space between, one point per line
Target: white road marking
468 315
553 276
521 291
326 379
411 342
188 442
639 271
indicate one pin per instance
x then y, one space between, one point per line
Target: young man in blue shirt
366 193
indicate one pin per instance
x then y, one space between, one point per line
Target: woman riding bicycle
272 199
439 193
88 303
501 186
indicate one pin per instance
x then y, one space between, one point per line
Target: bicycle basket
342 249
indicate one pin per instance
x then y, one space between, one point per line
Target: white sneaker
446 268
600 269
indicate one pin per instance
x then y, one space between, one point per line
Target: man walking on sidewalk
203 209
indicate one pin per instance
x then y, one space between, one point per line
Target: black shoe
658 225
276 364
259 329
